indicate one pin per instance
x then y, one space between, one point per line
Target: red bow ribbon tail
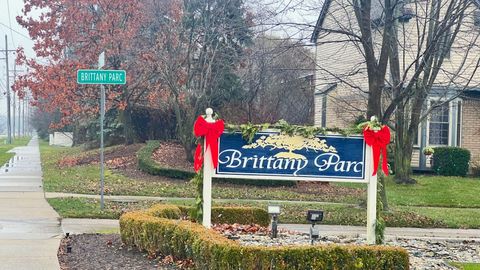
378 141
198 159
211 132
384 161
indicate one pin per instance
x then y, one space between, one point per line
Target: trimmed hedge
210 250
242 215
451 161
220 215
148 165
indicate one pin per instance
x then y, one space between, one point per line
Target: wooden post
371 197
207 178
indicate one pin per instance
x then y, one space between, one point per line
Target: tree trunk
403 159
189 151
185 130
128 129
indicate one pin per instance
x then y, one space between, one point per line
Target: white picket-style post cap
209 113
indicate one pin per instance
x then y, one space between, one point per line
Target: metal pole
102 117
9 127
13 126
23 115
19 117
101 63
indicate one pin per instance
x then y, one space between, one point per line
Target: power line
10 22
11 29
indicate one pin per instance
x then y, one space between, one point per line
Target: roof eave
320 20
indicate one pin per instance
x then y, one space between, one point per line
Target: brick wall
471 127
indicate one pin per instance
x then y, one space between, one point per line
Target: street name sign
98 76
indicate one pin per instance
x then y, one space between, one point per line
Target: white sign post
371 198
207 178
371 181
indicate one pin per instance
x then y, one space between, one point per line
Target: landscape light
314 216
274 210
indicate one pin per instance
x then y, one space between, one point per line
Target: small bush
242 215
220 215
164 211
148 165
210 250
451 161
476 167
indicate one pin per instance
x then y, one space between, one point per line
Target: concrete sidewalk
29 228
126 198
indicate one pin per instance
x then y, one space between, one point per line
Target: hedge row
210 250
220 215
148 165
451 161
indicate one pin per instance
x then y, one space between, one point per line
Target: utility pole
13 108
9 127
23 116
20 101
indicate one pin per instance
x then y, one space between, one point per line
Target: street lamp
274 211
314 216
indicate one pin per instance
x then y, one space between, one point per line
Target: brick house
341 78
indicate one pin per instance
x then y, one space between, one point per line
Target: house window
476 18
438 128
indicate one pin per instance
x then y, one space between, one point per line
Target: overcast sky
17 37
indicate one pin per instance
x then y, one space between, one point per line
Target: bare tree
278 81
199 47
398 53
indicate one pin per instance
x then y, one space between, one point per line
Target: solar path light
314 216
274 211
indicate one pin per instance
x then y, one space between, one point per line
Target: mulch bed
118 157
172 155
104 251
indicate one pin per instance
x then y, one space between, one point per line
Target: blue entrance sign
279 156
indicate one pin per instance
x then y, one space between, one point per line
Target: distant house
341 79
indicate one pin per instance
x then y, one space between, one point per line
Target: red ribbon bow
378 140
211 132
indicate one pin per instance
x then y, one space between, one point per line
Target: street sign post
101 77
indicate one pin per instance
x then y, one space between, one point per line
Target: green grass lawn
432 190
438 191
466 218
466 266
4 148
291 212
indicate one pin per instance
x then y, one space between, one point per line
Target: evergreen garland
249 130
